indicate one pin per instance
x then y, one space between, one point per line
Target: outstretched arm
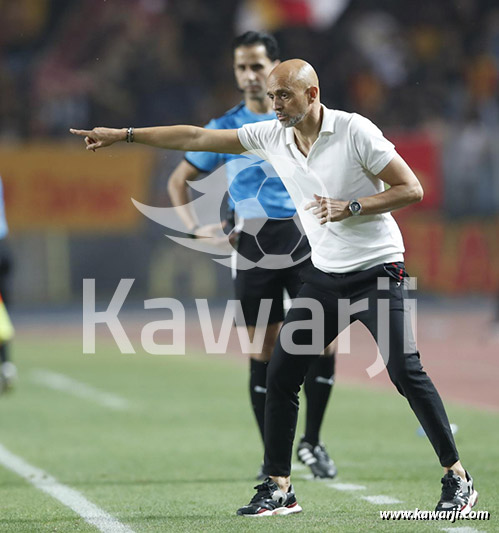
188 138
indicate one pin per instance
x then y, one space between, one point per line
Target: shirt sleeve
205 161
373 149
250 136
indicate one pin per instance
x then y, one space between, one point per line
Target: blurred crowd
429 66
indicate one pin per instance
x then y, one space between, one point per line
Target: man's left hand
328 209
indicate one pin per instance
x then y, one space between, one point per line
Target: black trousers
381 288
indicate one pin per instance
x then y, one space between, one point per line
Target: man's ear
313 93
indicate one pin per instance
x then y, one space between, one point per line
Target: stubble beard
293 121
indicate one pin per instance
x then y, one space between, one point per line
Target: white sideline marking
66 495
346 486
298 466
381 499
60 382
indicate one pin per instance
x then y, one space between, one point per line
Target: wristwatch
355 208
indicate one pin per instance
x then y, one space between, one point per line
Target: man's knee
286 373
405 371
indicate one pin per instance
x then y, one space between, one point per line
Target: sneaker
457 494
261 476
270 500
317 459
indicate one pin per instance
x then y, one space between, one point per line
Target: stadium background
426 72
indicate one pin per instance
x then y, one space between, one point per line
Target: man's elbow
416 193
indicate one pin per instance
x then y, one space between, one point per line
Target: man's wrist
129 135
355 208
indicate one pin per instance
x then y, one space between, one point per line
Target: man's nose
250 75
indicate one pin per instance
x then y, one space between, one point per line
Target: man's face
251 69
290 102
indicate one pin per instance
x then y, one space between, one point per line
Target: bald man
255 55
335 166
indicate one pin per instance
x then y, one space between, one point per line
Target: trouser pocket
396 270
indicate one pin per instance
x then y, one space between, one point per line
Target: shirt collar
328 120
327 126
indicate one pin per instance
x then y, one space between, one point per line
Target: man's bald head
293 87
295 73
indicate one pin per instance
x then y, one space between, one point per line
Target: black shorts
280 238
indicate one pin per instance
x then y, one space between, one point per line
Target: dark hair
251 38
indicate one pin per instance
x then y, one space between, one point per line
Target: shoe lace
450 488
262 492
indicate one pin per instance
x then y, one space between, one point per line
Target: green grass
183 458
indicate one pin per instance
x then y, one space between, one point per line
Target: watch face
355 207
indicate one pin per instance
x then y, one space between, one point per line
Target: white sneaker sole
280 511
471 502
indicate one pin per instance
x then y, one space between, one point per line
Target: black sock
318 386
258 390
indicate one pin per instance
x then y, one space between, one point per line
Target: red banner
49 187
453 259
423 155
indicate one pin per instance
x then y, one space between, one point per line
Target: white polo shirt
342 164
